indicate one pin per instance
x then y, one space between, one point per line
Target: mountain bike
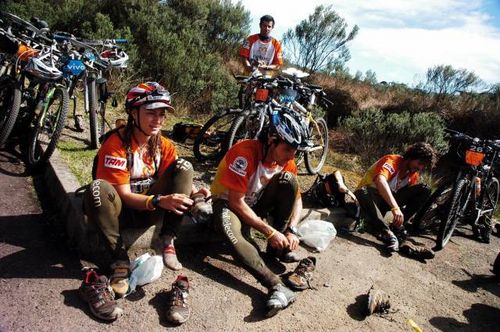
471 197
211 143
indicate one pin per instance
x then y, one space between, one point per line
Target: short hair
267 18
421 151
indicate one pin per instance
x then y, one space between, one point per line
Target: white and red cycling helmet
150 94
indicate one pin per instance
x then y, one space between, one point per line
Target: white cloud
399 39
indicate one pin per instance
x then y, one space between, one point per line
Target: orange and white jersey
256 49
112 161
388 166
243 171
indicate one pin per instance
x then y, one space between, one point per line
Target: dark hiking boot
96 291
280 297
416 251
178 310
301 278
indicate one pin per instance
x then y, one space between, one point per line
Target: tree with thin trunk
320 42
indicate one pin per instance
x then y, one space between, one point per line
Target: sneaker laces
301 270
101 290
179 293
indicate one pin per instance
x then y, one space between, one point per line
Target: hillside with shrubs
191 46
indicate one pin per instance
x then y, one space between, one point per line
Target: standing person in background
261 50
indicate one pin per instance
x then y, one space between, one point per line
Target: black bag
325 192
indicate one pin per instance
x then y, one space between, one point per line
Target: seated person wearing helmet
391 183
262 50
140 180
256 179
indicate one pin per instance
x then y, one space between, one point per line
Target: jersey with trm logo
388 166
112 161
242 170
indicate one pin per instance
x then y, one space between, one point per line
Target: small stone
326 284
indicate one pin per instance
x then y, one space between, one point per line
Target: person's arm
238 205
342 186
246 63
177 203
293 240
386 193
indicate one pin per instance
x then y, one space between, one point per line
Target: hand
177 203
398 217
279 241
293 241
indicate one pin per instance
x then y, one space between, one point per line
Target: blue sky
401 39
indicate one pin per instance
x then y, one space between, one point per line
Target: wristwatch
156 201
293 230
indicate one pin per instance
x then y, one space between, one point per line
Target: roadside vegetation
191 46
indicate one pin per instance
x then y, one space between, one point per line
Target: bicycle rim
434 210
457 203
490 200
211 141
315 159
48 128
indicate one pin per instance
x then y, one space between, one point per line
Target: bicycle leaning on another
469 196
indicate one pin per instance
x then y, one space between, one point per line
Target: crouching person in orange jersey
257 179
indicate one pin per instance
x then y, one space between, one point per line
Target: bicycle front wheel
434 210
489 204
316 156
10 102
48 127
93 114
211 141
457 205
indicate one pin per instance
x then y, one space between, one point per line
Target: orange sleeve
278 54
413 179
386 166
291 167
112 162
239 164
168 154
245 48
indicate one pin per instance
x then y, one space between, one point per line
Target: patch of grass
79 159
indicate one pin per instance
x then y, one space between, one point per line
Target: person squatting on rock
391 183
139 181
256 179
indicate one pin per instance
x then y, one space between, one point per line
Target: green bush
372 133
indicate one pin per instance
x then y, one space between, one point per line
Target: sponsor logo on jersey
389 168
239 166
115 162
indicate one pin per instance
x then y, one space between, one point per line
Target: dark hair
421 151
266 18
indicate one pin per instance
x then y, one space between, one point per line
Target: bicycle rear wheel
457 204
318 134
211 141
10 102
48 127
489 204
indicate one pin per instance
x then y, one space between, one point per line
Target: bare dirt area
39 278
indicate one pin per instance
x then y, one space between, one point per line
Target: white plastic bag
145 269
317 234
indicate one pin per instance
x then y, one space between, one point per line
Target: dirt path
39 279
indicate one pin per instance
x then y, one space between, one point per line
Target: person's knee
287 181
99 194
184 167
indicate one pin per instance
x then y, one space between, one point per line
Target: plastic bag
145 269
317 234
